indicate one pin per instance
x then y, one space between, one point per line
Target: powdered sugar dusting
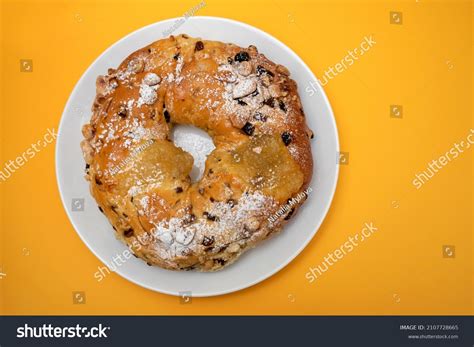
174 236
178 69
148 95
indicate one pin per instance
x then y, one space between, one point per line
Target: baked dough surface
140 179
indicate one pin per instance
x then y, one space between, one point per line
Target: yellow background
425 65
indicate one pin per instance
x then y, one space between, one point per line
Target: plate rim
310 235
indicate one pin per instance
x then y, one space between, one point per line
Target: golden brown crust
140 179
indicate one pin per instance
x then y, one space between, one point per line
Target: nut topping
135 65
274 90
252 224
166 238
233 248
283 70
88 131
244 88
151 79
244 68
184 236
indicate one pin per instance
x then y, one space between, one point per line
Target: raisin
186 252
288 216
231 202
128 232
199 46
286 137
261 70
210 217
270 102
220 261
122 112
207 241
248 129
211 199
179 190
167 116
260 117
242 56
282 105
246 233
190 218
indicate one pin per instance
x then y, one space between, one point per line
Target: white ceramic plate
257 264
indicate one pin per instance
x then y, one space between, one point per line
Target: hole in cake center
197 143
